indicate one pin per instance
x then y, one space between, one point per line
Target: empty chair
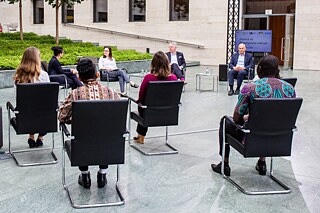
269 133
97 137
160 108
35 112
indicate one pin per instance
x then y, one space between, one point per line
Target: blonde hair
29 67
160 65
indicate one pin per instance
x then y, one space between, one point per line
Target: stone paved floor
182 182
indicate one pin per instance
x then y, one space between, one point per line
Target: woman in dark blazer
54 68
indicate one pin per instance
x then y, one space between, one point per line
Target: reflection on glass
137 11
179 10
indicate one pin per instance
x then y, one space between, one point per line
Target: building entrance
282 26
275 15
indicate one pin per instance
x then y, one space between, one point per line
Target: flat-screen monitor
255 40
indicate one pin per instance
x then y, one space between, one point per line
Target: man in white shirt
177 61
239 66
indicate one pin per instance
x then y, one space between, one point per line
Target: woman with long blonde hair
29 71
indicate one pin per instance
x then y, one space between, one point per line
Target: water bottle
207 71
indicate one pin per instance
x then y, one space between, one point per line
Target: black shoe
85 180
237 92
261 167
31 143
39 142
134 85
231 92
101 180
217 169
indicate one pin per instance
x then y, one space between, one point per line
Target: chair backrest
162 100
44 66
271 122
98 127
291 81
37 106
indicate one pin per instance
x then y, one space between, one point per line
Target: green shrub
12 49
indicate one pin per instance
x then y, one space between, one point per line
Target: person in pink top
160 71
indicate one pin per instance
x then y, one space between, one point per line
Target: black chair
36 111
97 136
291 81
161 108
269 132
65 86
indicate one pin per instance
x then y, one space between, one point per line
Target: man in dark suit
239 66
177 61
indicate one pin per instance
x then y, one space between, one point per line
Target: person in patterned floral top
91 90
268 86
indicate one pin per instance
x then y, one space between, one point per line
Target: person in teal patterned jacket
268 86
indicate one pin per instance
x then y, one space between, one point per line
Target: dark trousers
141 130
74 82
86 168
231 130
177 71
232 74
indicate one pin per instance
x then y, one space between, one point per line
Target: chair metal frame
285 190
173 150
12 153
110 79
65 132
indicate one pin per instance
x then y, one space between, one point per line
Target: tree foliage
69 3
56 4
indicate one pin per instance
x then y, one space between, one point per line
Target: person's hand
75 72
246 117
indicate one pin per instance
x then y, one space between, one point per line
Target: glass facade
67 14
277 6
100 10
38 11
137 10
179 10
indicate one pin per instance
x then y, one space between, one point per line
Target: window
67 14
100 10
137 10
277 6
38 12
179 10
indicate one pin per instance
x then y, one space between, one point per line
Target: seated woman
160 71
268 86
91 90
55 68
108 63
29 71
